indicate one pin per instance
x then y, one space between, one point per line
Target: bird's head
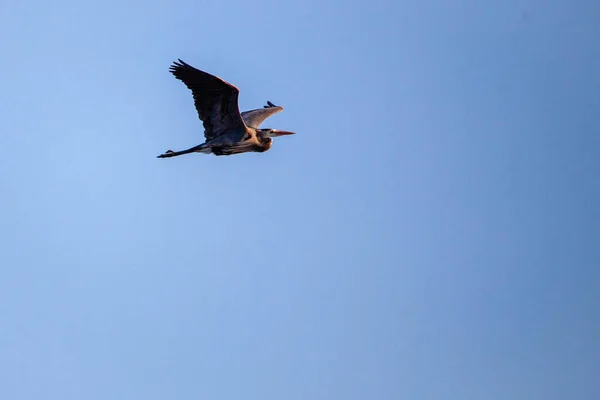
267 132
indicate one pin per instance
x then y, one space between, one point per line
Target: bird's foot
168 153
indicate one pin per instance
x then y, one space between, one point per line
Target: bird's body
226 131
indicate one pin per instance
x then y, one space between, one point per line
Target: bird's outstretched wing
216 100
254 118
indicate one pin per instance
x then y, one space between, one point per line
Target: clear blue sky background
431 232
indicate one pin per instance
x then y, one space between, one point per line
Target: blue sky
430 232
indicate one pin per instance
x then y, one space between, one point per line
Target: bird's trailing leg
196 149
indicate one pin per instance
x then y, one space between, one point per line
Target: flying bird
227 131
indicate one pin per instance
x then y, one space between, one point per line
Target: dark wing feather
254 118
216 100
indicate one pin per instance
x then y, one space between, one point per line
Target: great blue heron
225 129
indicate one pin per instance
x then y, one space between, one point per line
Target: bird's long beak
277 132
